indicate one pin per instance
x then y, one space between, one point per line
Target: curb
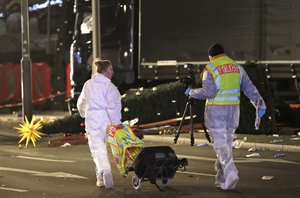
245 145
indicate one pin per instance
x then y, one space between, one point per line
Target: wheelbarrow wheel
136 182
166 181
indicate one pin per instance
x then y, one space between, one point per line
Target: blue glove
261 112
187 91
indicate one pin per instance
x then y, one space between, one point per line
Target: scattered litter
275 135
299 133
276 141
296 138
131 122
202 145
167 131
267 177
253 155
279 155
134 121
238 143
65 144
67 134
254 149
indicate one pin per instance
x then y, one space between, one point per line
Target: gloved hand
187 91
120 126
261 112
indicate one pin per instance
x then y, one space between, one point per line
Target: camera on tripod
189 81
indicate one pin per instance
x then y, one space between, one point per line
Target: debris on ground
253 155
295 138
276 141
29 131
238 143
202 145
279 155
66 145
254 149
267 177
70 139
131 122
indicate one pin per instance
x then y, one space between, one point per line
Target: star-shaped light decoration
29 131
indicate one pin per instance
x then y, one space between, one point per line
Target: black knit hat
215 49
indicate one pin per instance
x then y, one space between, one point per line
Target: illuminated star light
29 131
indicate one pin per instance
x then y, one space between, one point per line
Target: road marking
197 158
194 173
264 160
60 174
43 159
13 189
239 160
20 170
45 174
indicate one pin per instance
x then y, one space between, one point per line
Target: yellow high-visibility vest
227 76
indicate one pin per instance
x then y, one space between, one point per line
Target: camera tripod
189 105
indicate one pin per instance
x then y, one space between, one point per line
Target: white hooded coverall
100 104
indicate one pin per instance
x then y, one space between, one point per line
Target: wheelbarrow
155 164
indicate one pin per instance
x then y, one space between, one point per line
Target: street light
96 32
25 63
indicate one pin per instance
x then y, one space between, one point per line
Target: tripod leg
191 125
205 132
181 122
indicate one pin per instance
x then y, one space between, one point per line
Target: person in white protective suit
100 104
222 81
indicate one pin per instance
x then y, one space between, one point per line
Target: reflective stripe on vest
228 96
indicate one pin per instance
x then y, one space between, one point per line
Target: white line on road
194 173
197 158
39 173
239 160
60 174
265 160
13 189
43 159
19 170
